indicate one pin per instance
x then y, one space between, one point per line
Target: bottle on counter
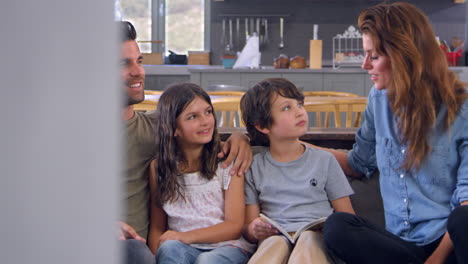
229 57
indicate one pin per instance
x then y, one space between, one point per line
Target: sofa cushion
366 200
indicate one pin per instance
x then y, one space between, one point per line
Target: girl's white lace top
203 206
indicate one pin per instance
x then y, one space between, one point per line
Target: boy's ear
263 130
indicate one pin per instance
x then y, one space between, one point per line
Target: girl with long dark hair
201 207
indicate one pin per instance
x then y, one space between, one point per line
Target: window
184 23
138 12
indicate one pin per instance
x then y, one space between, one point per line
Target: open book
314 225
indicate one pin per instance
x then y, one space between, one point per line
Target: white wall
60 132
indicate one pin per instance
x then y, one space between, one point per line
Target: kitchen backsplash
332 16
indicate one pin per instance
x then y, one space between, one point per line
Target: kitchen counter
270 69
187 69
167 69
347 79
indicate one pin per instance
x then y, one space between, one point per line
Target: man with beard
135 227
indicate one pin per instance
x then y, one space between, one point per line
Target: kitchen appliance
176 58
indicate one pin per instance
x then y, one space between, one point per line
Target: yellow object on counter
199 58
315 54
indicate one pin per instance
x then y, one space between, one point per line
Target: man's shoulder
151 115
144 118
141 127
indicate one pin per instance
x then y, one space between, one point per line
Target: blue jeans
136 252
174 251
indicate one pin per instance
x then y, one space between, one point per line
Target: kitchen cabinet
250 79
306 82
345 82
160 82
159 77
209 79
353 80
368 84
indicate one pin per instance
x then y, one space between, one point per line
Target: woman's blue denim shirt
417 203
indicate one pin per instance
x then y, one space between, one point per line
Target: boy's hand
261 230
238 149
128 232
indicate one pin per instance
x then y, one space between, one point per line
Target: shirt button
404 200
402 175
403 151
406 222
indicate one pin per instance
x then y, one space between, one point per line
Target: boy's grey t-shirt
297 192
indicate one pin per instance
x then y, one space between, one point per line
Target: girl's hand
173 235
237 147
261 230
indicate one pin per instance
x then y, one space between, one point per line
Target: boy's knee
310 238
458 219
276 243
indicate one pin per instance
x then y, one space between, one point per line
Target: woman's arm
158 218
343 204
230 229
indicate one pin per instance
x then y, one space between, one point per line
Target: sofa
366 200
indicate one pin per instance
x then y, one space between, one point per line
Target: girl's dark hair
256 105
171 104
420 74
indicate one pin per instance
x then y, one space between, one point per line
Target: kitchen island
352 80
